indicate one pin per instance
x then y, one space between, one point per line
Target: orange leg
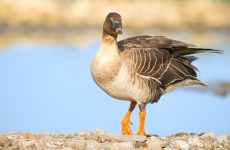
141 130
126 129
142 115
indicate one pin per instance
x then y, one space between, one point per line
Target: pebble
132 138
182 144
67 148
168 148
194 141
92 145
93 140
154 143
30 136
121 146
86 133
208 135
222 139
4 141
99 132
76 144
31 144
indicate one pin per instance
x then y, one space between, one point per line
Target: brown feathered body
143 68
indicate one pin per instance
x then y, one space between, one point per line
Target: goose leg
126 129
142 115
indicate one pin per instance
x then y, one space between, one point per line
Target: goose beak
117 27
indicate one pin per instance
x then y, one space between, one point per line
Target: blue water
48 87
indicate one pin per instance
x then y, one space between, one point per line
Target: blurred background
46 48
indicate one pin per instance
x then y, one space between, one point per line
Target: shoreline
101 140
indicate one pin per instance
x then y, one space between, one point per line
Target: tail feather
188 51
181 72
183 83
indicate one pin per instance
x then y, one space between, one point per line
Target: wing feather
161 58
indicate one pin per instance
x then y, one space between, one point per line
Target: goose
141 69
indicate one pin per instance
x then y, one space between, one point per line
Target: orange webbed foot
126 124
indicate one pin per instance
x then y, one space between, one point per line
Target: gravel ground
105 141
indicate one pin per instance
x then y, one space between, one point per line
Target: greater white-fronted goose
141 69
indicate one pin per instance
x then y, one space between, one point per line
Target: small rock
30 144
67 148
92 145
169 148
210 142
222 139
76 137
132 138
105 145
87 133
107 138
76 144
182 144
208 145
154 143
117 146
194 141
4 141
92 137
182 136
99 132
30 136
154 138
228 145
171 143
50 148
45 133
208 135
122 146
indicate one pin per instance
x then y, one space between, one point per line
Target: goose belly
127 87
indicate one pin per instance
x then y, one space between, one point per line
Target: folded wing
162 59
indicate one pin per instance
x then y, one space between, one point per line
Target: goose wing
162 59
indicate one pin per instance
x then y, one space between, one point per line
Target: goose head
113 24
